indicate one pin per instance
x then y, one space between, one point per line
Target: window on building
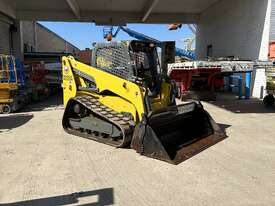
209 52
25 47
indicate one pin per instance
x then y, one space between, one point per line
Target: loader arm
74 73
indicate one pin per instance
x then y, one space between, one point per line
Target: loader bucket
176 133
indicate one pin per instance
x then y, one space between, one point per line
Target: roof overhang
111 12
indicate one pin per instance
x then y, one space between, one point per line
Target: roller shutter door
4 38
272 22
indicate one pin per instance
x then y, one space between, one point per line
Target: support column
240 87
35 36
259 74
17 39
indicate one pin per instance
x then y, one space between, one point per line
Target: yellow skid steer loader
124 99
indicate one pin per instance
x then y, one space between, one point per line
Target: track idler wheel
80 110
6 109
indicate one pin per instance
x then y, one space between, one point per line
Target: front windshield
145 59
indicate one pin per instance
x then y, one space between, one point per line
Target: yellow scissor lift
10 98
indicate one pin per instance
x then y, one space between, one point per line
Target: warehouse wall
237 28
4 38
233 28
40 39
10 37
48 41
17 40
29 35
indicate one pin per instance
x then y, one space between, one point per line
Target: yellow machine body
131 96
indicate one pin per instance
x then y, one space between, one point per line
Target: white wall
272 22
237 28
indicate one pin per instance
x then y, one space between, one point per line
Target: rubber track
125 123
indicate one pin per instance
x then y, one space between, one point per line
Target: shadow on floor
47 103
14 120
230 103
104 197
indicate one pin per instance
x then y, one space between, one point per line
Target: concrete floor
42 165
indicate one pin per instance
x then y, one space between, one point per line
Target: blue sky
83 35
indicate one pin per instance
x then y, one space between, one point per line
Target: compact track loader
124 99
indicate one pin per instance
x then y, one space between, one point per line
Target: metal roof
116 12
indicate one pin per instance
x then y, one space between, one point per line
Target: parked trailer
43 79
200 79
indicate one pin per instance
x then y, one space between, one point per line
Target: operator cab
128 59
146 64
